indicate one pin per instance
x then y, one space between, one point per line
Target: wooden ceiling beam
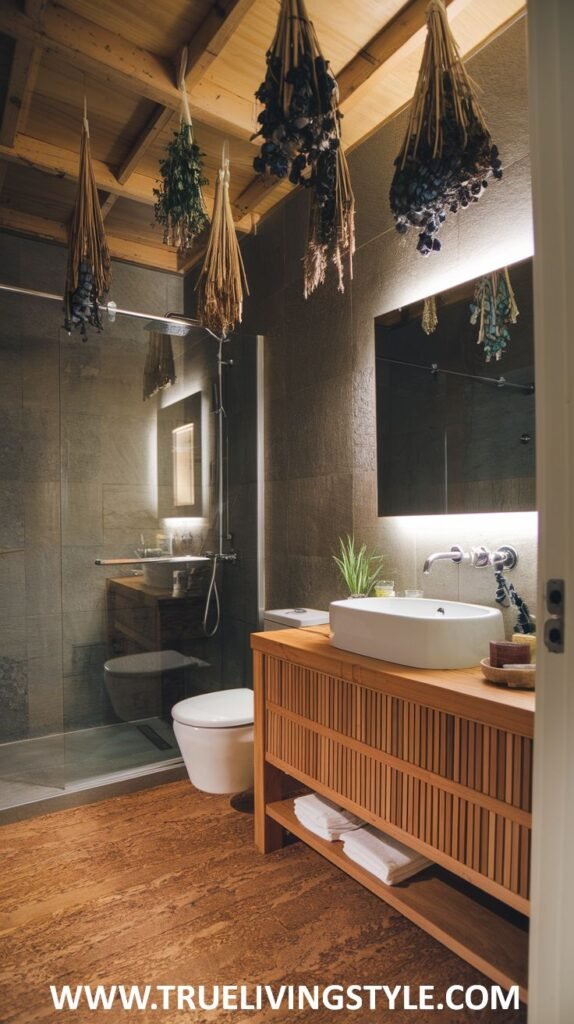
63 163
23 72
409 20
395 34
120 248
214 32
159 120
112 59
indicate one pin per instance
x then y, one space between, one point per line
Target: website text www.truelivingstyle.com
254 998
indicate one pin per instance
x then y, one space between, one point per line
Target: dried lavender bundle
222 280
448 154
89 273
299 119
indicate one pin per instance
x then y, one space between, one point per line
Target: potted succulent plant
359 568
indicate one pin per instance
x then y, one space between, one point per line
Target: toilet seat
224 709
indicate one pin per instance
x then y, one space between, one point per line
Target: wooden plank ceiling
122 54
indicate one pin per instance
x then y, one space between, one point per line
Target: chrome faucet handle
505 557
480 557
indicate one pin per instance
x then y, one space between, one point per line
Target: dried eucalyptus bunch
494 309
299 117
180 205
447 154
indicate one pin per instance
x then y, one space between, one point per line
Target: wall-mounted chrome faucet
456 554
504 557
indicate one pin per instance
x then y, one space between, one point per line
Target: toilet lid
148 663
222 709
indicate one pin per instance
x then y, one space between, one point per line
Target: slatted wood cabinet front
450 785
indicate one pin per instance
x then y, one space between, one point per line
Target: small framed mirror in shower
455 432
179 467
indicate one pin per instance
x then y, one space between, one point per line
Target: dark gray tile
320 428
11 515
320 510
14 697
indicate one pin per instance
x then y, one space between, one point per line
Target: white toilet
215 736
134 682
215 730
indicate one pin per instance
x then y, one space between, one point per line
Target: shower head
178 328
172 324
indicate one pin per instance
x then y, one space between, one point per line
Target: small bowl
515 678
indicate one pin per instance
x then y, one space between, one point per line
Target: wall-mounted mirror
179 458
456 433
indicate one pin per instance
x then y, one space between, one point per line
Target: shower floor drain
154 737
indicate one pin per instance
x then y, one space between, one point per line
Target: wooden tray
515 678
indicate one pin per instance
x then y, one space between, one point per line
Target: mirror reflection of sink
418 632
158 572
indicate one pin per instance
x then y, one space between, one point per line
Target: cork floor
164 887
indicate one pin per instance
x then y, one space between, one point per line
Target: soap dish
515 678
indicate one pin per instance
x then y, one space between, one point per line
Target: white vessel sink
417 632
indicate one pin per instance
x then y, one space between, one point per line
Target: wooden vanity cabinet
440 760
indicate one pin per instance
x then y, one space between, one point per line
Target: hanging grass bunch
159 368
331 235
180 205
89 273
299 119
448 154
429 319
494 309
222 280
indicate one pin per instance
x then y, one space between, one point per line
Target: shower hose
212 591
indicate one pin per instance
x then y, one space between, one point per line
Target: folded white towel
325 813
390 861
332 834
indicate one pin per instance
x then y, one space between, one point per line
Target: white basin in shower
418 632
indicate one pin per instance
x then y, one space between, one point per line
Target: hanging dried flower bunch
222 280
331 234
89 273
180 205
159 368
494 309
299 119
447 154
429 320
300 125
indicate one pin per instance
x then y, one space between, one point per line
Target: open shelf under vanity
485 933
441 761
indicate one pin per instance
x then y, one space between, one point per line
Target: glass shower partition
83 481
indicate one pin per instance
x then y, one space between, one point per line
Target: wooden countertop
462 692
